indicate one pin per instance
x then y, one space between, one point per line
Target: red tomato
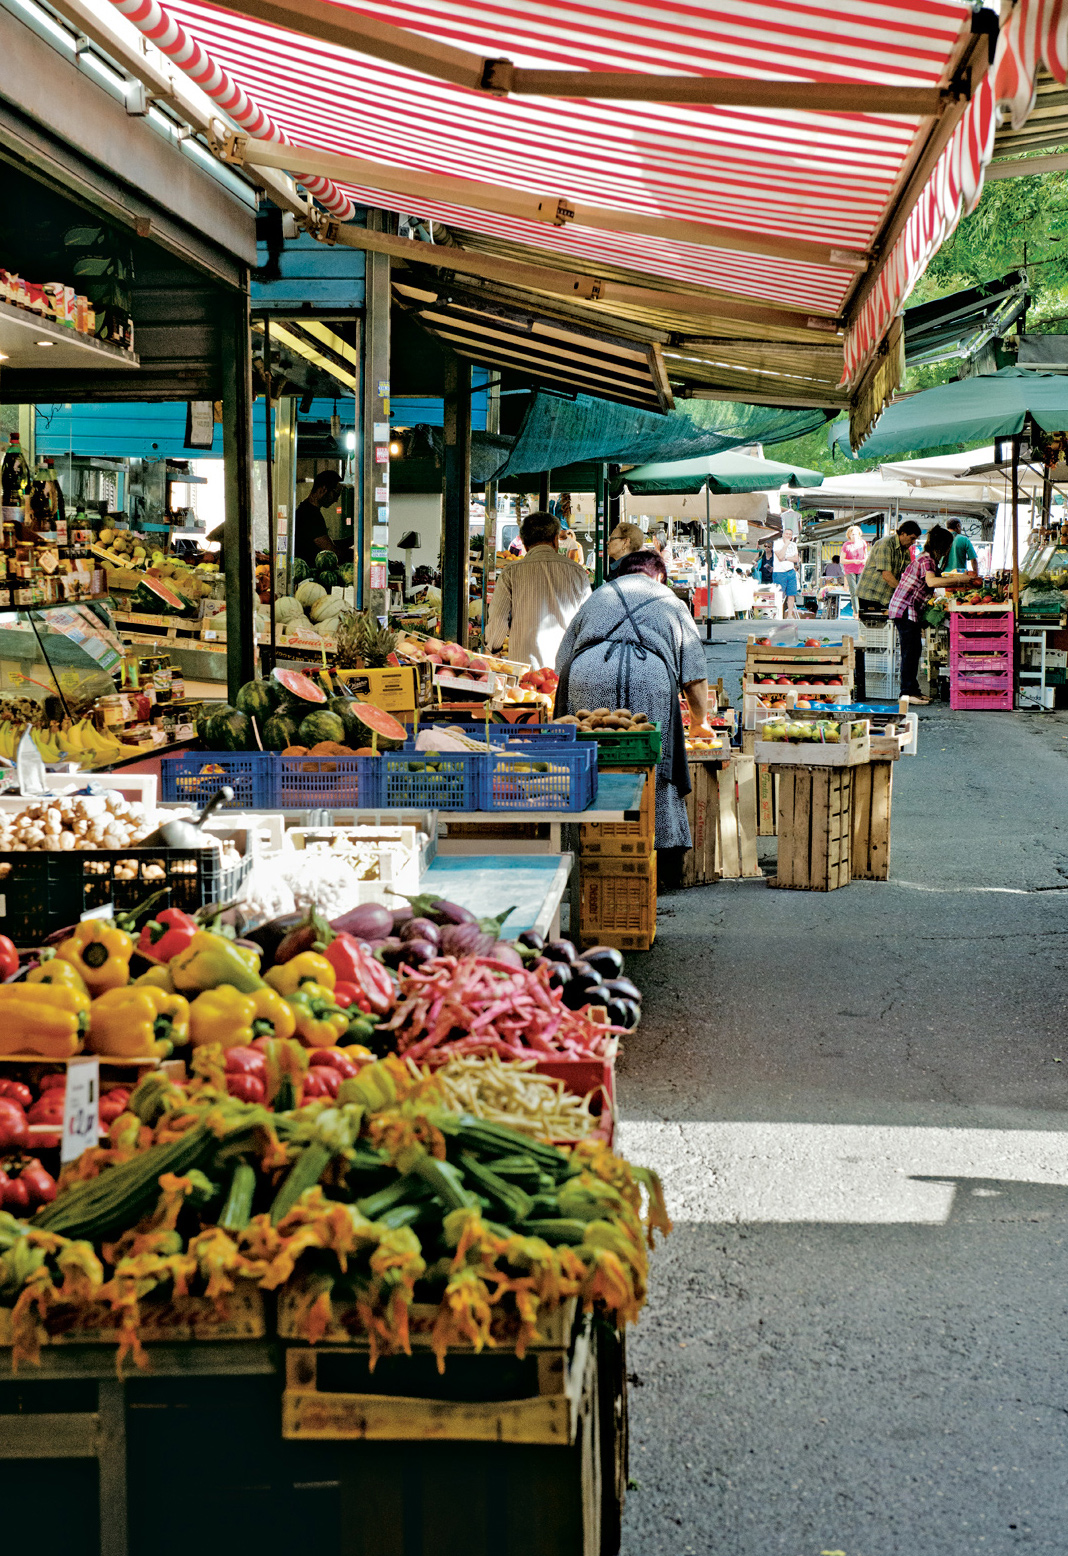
48 1109
17 1091
16 1196
9 958
13 1134
56 1078
40 1185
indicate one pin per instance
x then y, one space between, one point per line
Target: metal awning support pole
238 550
489 532
708 565
543 490
456 502
272 516
373 410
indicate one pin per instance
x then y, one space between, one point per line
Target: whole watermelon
279 732
327 566
355 733
321 726
230 731
301 571
259 699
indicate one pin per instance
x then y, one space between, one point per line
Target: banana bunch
47 744
10 735
84 740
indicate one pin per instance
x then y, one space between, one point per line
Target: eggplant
466 940
400 916
503 952
623 989
302 937
391 951
560 951
532 940
607 960
439 910
415 952
598 995
623 1013
370 921
420 929
634 1014
560 975
577 990
269 936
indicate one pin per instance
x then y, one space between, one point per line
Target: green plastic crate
639 748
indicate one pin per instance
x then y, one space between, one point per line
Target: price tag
81 1108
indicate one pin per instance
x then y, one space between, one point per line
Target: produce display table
487 883
619 798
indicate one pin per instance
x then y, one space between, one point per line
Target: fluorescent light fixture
45 342
350 441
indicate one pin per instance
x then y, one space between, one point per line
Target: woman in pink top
854 556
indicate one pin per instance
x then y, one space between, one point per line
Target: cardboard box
392 689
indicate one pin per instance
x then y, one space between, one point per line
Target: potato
600 713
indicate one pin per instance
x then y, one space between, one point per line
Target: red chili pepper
57 1079
353 963
40 1184
167 935
17 1091
13 1132
48 1109
246 1061
9 958
247 1088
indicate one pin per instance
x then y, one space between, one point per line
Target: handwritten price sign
81 1108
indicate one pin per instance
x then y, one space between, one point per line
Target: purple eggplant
439 910
414 953
623 989
370 921
560 975
302 937
401 916
606 959
503 952
391 950
578 989
560 951
268 937
623 1013
466 940
532 940
420 929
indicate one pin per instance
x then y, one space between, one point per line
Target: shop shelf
192 779
407 780
625 745
539 778
310 782
43 892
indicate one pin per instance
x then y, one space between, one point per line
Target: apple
479 665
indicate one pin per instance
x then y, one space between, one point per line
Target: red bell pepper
48 1109
13 1133
167 935
57 1079
333 1059
248 1088
353 963
321 1082
18 1091
9 958
245 1061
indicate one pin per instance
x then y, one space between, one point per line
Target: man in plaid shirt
887 560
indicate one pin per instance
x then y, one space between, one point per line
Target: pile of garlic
76 821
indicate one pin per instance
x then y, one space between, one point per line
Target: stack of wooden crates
617 866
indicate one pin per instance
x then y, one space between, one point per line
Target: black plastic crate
44 891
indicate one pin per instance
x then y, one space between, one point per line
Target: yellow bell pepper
320 1024
308 967
101 953
138 1022
234 1020
55 971
156 978
42 1018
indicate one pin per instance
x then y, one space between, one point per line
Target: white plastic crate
876 637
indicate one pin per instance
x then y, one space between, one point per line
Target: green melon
258 699
230 730
301 571
326 562
280 731
321 726
355 734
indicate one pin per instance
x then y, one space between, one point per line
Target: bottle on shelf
14 473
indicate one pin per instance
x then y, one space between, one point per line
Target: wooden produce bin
814 826
722 811
873 789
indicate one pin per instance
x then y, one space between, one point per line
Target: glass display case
56 661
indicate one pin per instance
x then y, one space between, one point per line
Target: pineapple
361 642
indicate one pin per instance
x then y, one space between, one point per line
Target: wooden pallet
873 789
814 826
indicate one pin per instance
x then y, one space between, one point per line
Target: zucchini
237 1212
119 1197
304 1174
509 1197
406 1188
560 1231
487 1139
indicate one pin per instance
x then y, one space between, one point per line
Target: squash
328 609
309 592
287 608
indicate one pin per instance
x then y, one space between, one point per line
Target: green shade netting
558 432
723 473
966 412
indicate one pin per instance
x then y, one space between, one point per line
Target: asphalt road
856 1340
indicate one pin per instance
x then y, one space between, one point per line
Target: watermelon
354 731
326 562
321 726
279 731
300 688
301 571
230 730
259 699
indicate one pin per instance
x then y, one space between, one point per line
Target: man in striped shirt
536 597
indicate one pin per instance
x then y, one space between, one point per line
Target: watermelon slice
299 686
379 720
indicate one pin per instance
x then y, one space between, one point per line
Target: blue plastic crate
541 778
328 782
193 778
533 734
430 780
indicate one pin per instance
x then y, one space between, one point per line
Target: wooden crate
555 1329
722 811
814 828
873 790
623 839
850 751
490 1397
767 800
239 1316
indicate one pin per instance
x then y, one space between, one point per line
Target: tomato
48 1109
17 1091
13 1131
16 1196
56 1078
9 958
40 1185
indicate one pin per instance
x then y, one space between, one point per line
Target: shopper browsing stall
624 539
536 597
887 560
634 645
962 554
909 600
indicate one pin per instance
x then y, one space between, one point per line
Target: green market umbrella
717 473
969 410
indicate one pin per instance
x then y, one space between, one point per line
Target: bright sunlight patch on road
759 1172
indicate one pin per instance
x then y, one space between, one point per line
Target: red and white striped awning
802 201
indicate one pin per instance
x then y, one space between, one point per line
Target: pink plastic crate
994 701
